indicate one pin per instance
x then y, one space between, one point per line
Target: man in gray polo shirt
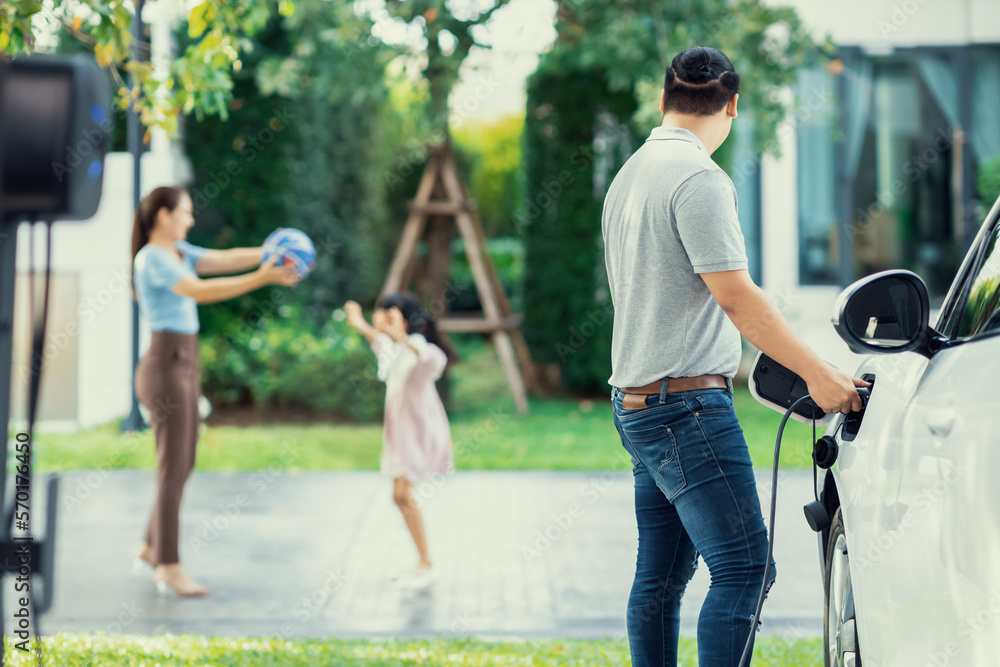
677 269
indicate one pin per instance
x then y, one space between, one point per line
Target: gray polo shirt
669 215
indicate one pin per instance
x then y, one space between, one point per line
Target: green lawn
78 650
558 434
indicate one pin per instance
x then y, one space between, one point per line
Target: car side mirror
885 313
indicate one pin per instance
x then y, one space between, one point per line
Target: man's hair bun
695 66
700 81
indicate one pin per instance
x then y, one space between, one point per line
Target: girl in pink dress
416 441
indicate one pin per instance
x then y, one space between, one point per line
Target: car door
922 506
952 444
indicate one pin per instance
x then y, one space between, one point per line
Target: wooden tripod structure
442 194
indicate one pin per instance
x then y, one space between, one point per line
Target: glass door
902 190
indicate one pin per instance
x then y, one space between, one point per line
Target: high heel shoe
139 563
401 573
418 579
164 587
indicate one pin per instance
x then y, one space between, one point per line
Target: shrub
283 364
489 155
567 305
507 254
988 181
305 146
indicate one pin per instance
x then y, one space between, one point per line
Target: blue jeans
694 494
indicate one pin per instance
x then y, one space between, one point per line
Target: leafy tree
566 301
303 148
491 153
633 43
338 190
450 32
198 81
604 73
988 181
450 35
242 174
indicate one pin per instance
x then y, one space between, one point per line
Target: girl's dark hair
417 319
168 197
699 82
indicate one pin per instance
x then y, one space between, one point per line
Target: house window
879 173
902 206
817 212
745 174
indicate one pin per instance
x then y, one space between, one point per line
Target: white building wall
808 309
901 22
877 26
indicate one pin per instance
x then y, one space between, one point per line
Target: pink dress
416 440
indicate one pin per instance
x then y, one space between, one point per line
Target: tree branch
485 16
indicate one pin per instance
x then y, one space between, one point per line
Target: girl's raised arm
358 321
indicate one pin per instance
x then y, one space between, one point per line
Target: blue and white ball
291 246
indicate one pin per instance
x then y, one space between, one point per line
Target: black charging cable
864 393
814 466
745 660
38 330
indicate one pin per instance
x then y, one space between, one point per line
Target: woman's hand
271 274
213 290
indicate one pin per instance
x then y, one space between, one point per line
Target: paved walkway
522 554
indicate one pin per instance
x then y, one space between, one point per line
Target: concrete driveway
517 554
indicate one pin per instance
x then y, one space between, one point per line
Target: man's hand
834 391
761 324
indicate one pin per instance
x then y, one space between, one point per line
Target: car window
979 309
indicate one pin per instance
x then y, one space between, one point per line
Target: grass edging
83 649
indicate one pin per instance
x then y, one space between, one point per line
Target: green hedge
507 255
488 155
605 71
281 363
568 312
988 181
304 147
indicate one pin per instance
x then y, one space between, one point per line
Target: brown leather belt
675 385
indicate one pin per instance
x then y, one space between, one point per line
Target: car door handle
940 420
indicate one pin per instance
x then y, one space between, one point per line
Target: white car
911 555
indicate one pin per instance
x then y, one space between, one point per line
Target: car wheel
840 634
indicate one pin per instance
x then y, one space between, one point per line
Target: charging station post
48 105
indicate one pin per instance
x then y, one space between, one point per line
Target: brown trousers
167 382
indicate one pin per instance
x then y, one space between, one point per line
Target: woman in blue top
165 274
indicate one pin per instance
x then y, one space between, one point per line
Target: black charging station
779 388
55 120
782 390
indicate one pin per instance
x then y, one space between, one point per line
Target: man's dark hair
699 82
